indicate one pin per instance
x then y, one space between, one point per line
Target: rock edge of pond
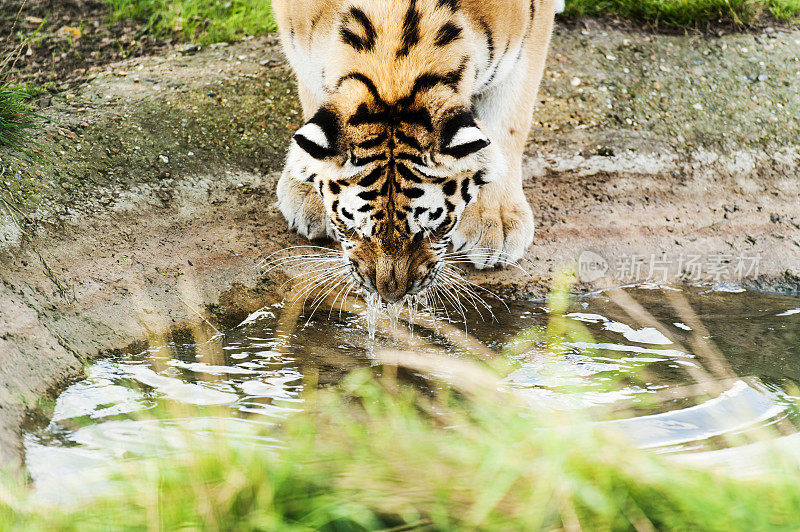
150 203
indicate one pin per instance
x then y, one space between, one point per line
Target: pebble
164 159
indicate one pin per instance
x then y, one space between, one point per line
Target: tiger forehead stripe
429 80
452 4
410 29
447 34
358 42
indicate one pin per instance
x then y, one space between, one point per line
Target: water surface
640 379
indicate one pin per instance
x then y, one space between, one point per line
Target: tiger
416 115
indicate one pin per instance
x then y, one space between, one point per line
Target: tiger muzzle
392 277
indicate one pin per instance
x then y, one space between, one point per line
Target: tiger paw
495 229
303 208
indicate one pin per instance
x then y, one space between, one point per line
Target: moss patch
240 123
689 13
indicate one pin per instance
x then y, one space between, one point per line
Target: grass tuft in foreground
16 116
199 20
373 455
689 13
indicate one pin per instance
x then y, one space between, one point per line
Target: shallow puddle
638 369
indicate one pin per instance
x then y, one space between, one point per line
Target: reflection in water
642 378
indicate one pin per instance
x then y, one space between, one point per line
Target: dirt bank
151 202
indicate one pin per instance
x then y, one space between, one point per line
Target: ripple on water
249 377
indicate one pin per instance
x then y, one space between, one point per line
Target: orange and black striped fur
417 116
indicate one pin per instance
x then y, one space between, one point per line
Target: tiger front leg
301 204
498 226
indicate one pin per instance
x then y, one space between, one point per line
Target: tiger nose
391 278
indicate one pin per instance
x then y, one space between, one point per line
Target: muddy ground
149 203
54 43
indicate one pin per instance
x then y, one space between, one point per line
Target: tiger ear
461 136
319 137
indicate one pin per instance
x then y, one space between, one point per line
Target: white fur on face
314 133
433 201
467 135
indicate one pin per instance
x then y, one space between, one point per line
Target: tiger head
395 169
394 179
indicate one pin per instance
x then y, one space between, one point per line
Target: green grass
217 20
199 20
689 13
376 454
16 116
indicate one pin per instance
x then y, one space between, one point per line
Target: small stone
164 159
775 218
762 77
575 82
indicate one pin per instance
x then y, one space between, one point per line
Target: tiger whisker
312 259
338 294
461 285
304 265
317 288
314 274
487 253
457 287
353 285
448 294
265 259
469 291
322 297
293 258
483 258
279 260
438 297
451 289
455 273
312 282
474 298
